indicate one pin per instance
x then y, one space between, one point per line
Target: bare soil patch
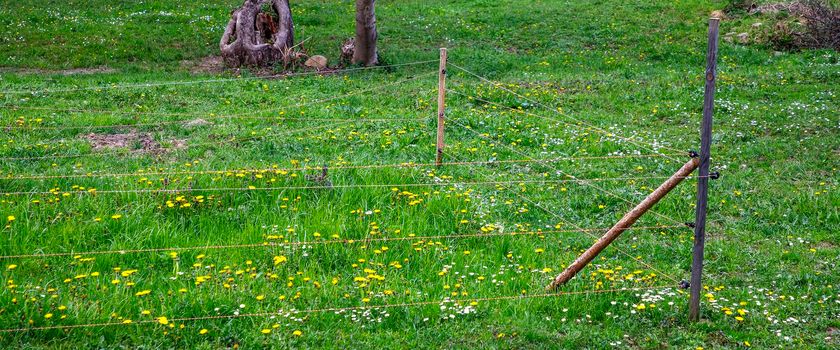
139 142
205 65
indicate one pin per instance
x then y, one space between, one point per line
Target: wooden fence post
441 106
703 179
625 223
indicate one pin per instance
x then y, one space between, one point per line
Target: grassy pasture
229 169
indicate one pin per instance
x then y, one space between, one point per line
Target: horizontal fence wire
337 309
185 122
142 151
222 80
324 242
500 86
596 237
605 133
319 168
204 115
545 209
274 109
603 190
94 192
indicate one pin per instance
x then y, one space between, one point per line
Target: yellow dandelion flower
163 320
142 293
116 216
10 218
11 267
297 333
203 331
265 331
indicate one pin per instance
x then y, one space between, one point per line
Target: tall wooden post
441 106
703 179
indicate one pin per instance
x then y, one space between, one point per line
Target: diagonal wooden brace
622 225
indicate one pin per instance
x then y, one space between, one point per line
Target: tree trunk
365 50
255 38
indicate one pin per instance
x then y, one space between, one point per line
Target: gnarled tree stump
257 38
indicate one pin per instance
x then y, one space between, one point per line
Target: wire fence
158 320
93 192
278 119
321 101
200 144
500 86
211 81
96 174
594 236
581 181
473 167
366 240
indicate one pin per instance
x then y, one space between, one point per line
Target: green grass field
147 204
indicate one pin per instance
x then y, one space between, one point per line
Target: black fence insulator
684 284
689 224
693 154
715 175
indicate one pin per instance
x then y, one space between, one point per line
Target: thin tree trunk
365 50
285 37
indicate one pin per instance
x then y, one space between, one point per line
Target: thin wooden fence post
441 106
703 179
